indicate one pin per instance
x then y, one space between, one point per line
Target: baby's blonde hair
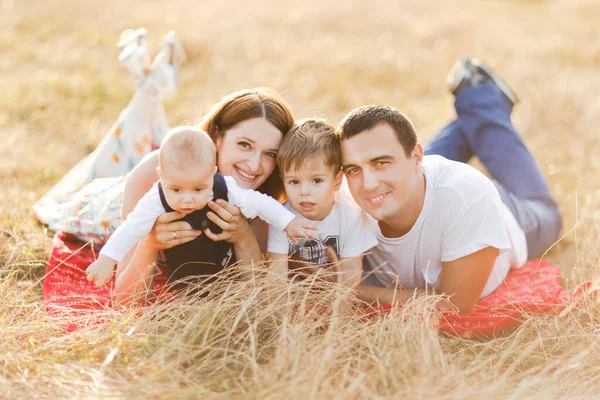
187 146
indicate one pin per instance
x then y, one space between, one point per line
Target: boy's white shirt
139 222
346 228
462 213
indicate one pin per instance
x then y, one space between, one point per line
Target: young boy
309 160
188 181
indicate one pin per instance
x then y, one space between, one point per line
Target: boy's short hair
367 117
307 140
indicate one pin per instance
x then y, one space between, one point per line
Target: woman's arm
236 230
136 268
140 180
134 281
261 233
278 264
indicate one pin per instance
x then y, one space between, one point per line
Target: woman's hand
167 232
236 228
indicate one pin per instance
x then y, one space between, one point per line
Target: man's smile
377 199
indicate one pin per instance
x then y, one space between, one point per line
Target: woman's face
247 152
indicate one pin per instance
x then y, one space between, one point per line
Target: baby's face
187 189
311 189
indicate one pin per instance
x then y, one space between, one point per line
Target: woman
247 128
87 204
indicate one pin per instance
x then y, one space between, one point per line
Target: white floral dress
87 200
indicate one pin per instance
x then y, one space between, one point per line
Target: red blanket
533 288
65 284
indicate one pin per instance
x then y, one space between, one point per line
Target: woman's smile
245 175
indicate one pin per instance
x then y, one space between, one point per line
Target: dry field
62 89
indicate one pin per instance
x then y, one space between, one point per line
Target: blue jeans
483 129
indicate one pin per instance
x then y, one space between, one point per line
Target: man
441 223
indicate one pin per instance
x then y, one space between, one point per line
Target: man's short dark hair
368 117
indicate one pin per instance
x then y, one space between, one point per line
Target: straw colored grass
62 89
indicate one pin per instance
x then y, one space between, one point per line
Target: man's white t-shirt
462 213
346 229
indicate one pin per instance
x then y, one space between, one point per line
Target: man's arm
374 294
464 279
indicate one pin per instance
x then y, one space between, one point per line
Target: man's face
382 178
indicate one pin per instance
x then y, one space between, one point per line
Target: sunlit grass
62 89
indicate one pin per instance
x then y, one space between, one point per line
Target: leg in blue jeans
483 128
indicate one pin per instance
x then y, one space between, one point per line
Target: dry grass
62 89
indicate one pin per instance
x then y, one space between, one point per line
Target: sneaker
485 70
471 72
177 54
164 70
460 75
134 55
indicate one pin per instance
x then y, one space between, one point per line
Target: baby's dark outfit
202 256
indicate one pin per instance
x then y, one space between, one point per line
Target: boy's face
311 188
187 189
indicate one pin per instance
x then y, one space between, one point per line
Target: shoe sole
499 82
456 74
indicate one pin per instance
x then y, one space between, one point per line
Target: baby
309 160
188 181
